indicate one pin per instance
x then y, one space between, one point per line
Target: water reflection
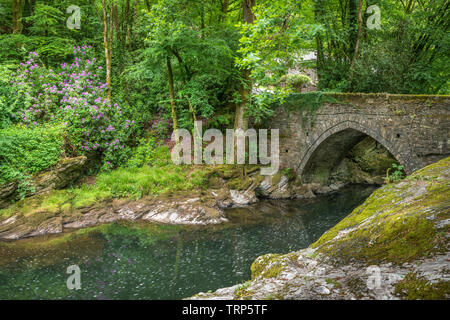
124 262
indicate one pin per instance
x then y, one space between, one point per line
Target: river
147 261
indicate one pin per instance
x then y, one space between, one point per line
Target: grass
128 183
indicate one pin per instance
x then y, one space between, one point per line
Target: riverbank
394 246
177 195
168 194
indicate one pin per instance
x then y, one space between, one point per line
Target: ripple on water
129 261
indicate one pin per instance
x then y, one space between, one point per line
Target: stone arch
332 145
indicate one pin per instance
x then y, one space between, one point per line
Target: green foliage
408 54
7 96
149 152
127 183
208 47
308 103
296 80
288 172
26 151
396 175
269 47
201 59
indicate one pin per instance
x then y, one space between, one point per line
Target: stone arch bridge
413 128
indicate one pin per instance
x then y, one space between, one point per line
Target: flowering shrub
75 97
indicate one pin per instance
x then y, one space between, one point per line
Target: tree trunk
358 40
106 44
224 10
111 35
16 16
121 51
247 11
127 21
352 21
245 91
318 13
172 99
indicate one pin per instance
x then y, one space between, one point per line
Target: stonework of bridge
413 128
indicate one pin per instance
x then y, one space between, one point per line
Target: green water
142 261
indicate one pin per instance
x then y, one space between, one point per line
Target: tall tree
107 43
240 121
358 40
17 16
172 97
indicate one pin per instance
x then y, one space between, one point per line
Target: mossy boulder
398 223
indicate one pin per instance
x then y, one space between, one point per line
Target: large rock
63 173
366 163
187 211
66 171
241 198
274 187
193 208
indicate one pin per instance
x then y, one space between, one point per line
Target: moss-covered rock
367 162
60 175
397 223
416 287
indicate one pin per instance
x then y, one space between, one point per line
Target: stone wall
413 128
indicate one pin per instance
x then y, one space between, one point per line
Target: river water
146 261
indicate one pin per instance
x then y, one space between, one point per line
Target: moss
242 292
376 202
276 178
356 286
415 287
273 271
308 103
293 256
267 266
290 174
389 97
397 240
226 171
258 179
335 283
239 183
393 224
